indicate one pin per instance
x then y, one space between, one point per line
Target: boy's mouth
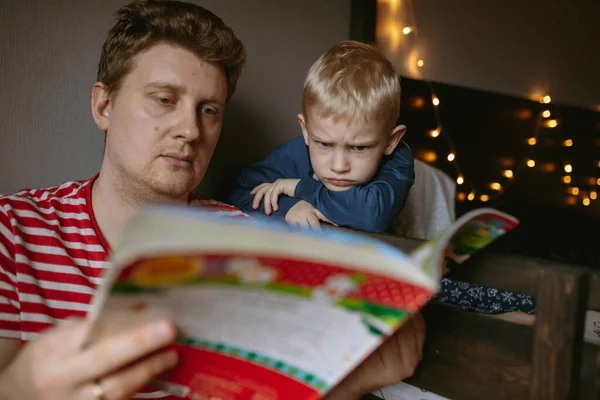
340 182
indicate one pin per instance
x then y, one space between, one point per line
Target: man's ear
101 105
395 137
302 123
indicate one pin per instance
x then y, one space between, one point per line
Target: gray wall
48 56
518 47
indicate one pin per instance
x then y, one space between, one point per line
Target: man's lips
177 159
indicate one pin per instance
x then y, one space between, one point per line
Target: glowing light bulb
574 191
567 179
593 195
435 101
531 141
508 173
568 168
460 180
484 197
471 196
586 202
407 29
546 99
451 157
530 163
551 123
495 186
420 63
461 196
568 143
546 114
598 181
434 133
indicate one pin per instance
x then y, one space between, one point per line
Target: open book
266 311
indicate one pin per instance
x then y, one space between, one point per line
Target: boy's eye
359 148
324 145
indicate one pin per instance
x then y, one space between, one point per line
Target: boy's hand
271 192
304 214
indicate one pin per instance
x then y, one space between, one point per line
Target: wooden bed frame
475 356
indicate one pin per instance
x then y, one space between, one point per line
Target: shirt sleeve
10 324
370 207
287 161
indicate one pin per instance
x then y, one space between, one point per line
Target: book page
468 234
258 317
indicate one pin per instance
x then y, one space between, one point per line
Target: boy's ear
101 105
395 137
302 123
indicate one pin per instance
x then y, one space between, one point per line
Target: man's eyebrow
213 99
180 89
165 86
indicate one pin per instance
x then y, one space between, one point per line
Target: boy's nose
340 164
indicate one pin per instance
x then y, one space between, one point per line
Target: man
165 75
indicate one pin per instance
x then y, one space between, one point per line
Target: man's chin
176 186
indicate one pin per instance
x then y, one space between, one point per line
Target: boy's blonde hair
355 82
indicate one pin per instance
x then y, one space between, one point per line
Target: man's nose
188 127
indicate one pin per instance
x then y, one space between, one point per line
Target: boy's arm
285 162
370 207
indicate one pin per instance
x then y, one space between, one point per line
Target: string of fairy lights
547 119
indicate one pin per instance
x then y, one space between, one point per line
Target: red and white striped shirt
52 256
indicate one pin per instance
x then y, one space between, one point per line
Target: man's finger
114 352
125 383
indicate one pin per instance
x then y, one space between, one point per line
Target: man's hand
56 367
304 214
271 192
393 362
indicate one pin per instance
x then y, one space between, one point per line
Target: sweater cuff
306 188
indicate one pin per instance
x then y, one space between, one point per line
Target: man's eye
209 111
324 145
165 101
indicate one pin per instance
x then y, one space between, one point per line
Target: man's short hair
142 24
353 81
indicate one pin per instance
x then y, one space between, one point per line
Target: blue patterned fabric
481 299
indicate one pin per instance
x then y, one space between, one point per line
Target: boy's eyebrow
317 138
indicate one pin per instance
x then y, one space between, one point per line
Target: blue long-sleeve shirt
369 207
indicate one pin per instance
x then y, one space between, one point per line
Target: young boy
350 167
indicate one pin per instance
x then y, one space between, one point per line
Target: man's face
344 155
164 122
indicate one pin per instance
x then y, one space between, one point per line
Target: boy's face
345 155
163 123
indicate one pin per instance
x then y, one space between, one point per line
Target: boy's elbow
376 223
